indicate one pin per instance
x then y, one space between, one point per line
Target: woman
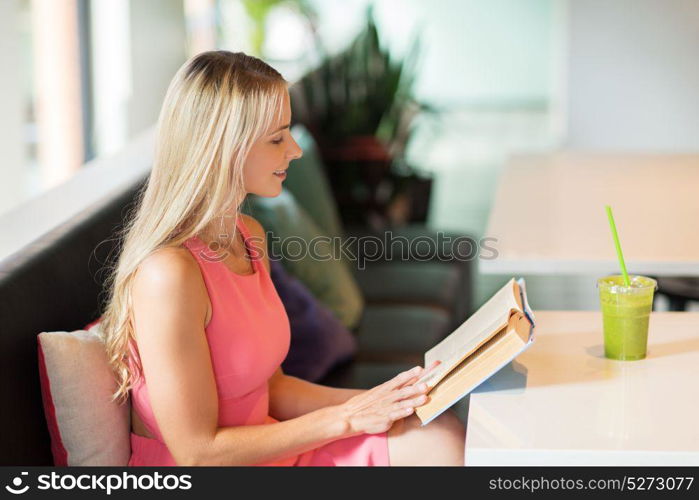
206 330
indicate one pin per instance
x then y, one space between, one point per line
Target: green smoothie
625 314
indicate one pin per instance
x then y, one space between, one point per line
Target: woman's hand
375 410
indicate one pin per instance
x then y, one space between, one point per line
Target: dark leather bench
53 284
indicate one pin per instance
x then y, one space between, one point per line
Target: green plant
358 104
361 91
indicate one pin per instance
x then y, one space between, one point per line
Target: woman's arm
372 411
291 397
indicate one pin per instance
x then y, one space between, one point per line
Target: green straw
617 245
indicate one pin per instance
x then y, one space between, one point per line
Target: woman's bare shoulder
168 265
170 276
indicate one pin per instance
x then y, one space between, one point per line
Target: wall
158 41
633 75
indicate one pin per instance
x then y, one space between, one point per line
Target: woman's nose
296 152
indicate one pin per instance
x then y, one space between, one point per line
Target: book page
489 319
524 302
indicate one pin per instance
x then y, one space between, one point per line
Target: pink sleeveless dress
248 337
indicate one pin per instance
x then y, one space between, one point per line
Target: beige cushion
76 382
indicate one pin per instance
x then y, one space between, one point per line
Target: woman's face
269 157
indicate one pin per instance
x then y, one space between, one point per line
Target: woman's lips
280 173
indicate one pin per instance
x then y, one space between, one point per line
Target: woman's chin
269 191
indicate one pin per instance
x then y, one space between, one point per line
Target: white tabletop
548 214
562 403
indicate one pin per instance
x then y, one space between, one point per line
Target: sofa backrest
307 181
55 283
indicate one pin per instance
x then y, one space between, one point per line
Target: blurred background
425 101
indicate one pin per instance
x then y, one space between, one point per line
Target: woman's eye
278 141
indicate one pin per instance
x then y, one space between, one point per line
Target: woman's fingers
402 387
406 407
424 375
434 365
402 378
420 374
401 413
413 402
409 377
429 370
409 391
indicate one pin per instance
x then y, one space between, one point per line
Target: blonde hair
216 106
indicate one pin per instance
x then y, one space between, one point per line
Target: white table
548 214
562 403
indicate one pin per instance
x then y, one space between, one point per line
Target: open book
492 337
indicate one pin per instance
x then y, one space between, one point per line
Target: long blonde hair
216 106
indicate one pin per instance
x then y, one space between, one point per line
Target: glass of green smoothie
625 314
